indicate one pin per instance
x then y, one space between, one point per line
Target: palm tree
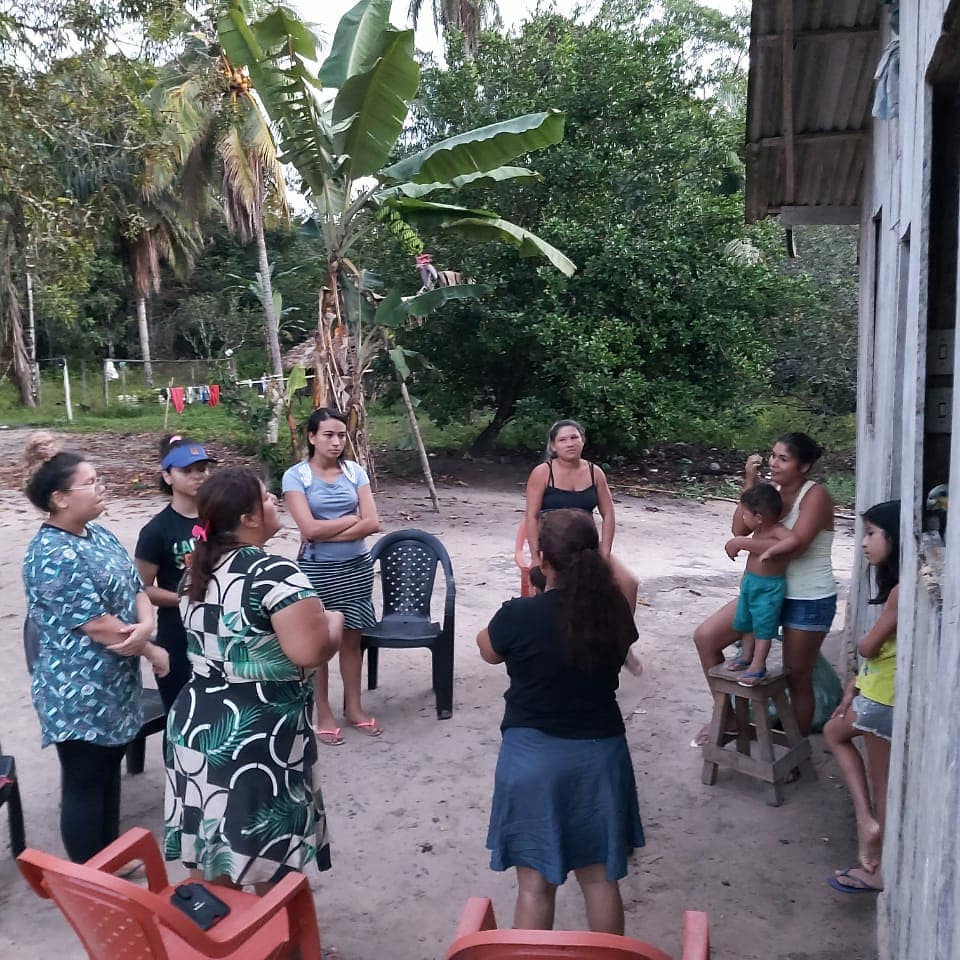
159 230
467 16
221 142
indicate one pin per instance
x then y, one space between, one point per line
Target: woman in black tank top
566 481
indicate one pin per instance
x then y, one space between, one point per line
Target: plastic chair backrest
109 924
551 945
408 570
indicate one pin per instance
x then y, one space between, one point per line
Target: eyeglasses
96 483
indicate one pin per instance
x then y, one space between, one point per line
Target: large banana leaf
358 42
377 101
484 148
503 231
484 178
427 215
394 309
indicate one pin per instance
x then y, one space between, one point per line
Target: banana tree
341 143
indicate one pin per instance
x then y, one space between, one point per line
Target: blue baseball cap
185 455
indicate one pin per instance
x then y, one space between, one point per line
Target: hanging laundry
176 398
214 394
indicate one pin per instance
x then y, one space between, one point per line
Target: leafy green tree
342 148
658 323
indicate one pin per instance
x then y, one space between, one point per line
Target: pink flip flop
369 727
329 738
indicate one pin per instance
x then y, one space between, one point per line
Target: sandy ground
408 811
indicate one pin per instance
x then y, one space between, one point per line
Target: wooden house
854 117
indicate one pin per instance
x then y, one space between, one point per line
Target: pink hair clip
175 438
200 532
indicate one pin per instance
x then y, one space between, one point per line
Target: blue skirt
559 805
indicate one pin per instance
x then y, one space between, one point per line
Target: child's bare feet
869 844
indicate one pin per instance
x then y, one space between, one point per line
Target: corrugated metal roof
835 50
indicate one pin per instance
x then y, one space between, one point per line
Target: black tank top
556 499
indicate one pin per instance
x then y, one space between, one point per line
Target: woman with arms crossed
565 796
811 601
331 502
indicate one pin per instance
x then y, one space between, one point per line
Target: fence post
106 384
66 391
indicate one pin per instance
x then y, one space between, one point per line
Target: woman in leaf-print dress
241 806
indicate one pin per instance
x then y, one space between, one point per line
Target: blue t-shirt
329 501
81 691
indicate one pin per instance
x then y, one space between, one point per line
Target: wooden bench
760 751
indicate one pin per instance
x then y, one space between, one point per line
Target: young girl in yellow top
867 706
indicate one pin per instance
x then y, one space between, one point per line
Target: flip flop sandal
369 727
737 664
856 885
329 738
752 679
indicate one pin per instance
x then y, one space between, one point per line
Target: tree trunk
485 442
144 340
272 332
342 378
418 440
14 321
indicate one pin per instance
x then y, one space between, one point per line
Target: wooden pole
106 384
66 391
421 449
166 406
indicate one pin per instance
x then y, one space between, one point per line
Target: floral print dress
240 798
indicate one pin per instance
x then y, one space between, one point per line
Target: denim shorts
873 717
815 616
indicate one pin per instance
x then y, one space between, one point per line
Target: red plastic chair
478 938
521 559
115 918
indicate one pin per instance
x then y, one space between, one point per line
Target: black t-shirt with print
545 692
166 541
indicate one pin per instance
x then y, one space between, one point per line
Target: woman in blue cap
164 549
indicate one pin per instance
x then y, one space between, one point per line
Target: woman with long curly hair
565 796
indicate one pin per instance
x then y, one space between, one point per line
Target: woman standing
241 806
163 547
331 502
565 796
811 601
93 620
565 481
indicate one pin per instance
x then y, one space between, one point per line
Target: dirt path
408 811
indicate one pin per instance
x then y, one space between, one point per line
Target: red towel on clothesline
177 398
214 394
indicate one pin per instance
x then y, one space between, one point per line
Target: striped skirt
345 586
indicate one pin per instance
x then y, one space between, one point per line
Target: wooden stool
762 763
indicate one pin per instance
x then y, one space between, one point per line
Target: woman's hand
137 637
752 467
158 658
846 703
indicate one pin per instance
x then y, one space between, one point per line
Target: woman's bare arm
303 630
607 514
158 596
310 528
881 631
486 648
536 485
369 521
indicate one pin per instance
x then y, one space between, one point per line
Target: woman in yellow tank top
867 706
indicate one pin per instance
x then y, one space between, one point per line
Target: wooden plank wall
919 914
